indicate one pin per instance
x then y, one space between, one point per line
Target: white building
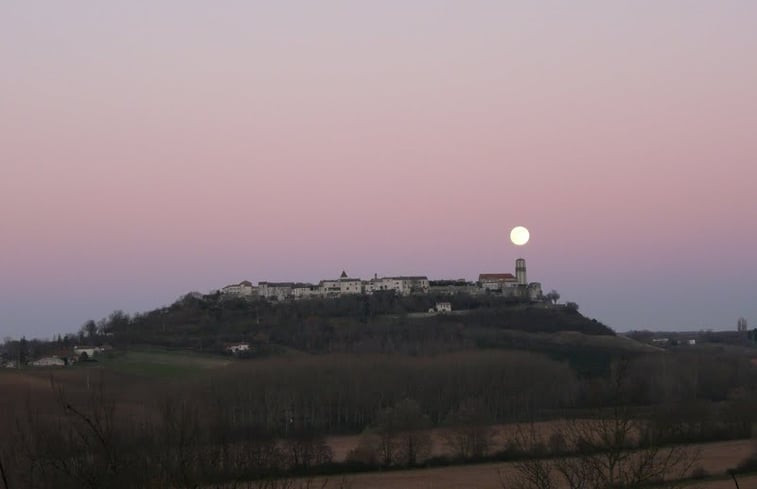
278 291
91 351
48 362
442 307
242 289
240 347
399 285
497 281
305 291
344 285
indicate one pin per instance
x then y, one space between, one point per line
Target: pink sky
148 149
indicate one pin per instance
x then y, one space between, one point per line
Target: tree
18 351
402 436
552 296
90 329
305 448
606 452
469 432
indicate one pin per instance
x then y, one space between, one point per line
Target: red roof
496 276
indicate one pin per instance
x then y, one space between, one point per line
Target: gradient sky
152 148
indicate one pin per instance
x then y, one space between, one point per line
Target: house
278 291
305 291
441 307
242 289
48 362
344 285
413 284
91 351
238 348
399 285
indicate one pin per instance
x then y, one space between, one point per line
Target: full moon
519 235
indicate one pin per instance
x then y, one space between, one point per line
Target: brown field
715 458
502 434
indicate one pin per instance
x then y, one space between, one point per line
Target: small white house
238 348
48 362
441 307
91 351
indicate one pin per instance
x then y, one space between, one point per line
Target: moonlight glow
519 235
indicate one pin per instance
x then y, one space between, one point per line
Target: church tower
520 271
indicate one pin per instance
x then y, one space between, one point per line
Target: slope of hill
382 323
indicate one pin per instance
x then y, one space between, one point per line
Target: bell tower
520 271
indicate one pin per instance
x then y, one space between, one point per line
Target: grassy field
132 379
163 363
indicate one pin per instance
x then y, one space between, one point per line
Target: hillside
381 323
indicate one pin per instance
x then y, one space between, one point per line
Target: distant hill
380 323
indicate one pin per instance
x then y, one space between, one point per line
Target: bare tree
605 452
469 433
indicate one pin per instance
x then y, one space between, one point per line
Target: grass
153 362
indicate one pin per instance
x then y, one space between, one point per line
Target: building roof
344 274
496 276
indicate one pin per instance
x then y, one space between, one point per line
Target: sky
153 148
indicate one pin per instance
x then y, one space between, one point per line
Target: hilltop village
505 284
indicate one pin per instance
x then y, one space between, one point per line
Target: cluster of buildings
505 284
61 359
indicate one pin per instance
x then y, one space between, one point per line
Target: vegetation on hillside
383 322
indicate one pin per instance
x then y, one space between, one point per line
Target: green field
154 362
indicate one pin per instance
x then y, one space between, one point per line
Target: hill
380 323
